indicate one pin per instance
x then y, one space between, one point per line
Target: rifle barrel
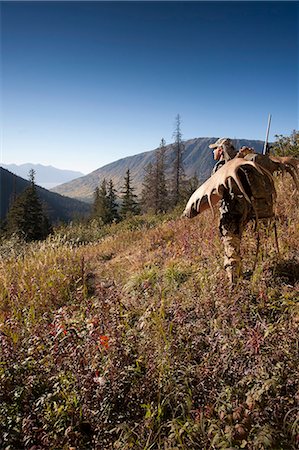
265 150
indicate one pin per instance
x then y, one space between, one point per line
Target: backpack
259 186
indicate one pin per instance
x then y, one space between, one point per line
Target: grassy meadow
129 337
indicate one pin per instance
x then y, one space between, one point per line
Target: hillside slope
136 341
197 157
45 176
58 207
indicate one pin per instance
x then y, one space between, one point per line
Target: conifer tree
191 185
112 203
161 193
129 204
148 189
96 202
154 192
26 217
101 205
178 168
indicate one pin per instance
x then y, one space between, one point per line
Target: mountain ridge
197 158
46 176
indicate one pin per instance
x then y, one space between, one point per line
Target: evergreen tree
148 189
101 204
129 204
112 203
96 202
26 217
191 185
154 192
161 191
178 168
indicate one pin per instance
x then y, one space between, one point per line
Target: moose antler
288 164
289 160
210 192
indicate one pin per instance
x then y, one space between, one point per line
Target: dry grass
135 340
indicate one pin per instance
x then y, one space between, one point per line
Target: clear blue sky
87 83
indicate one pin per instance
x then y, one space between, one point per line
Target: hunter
243 183
234 213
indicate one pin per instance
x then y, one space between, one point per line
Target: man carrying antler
244 184
233 213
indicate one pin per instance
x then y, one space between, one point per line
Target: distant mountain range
45 176
58 207
197 158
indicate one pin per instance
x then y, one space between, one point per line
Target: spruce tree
178 168
112 203
96 202
154 192
129 205
101 205
148 202
26 217
161 189
191 185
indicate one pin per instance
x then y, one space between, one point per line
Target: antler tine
210 203
237 180
289 160
288 164
268 174
294 174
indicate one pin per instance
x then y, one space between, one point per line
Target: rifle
266 149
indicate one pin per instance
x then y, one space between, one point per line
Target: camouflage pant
234 214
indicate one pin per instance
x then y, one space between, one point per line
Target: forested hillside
57 207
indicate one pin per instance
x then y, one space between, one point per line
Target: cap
220 142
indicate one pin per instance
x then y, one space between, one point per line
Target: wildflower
104 341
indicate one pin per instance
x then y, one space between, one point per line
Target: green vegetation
57 207
129 201
287 145
105 205
178 171
155 193
127 336
26 217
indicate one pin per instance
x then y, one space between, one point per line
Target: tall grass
129 336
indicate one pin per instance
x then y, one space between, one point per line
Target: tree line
162 191
159 192
27 215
